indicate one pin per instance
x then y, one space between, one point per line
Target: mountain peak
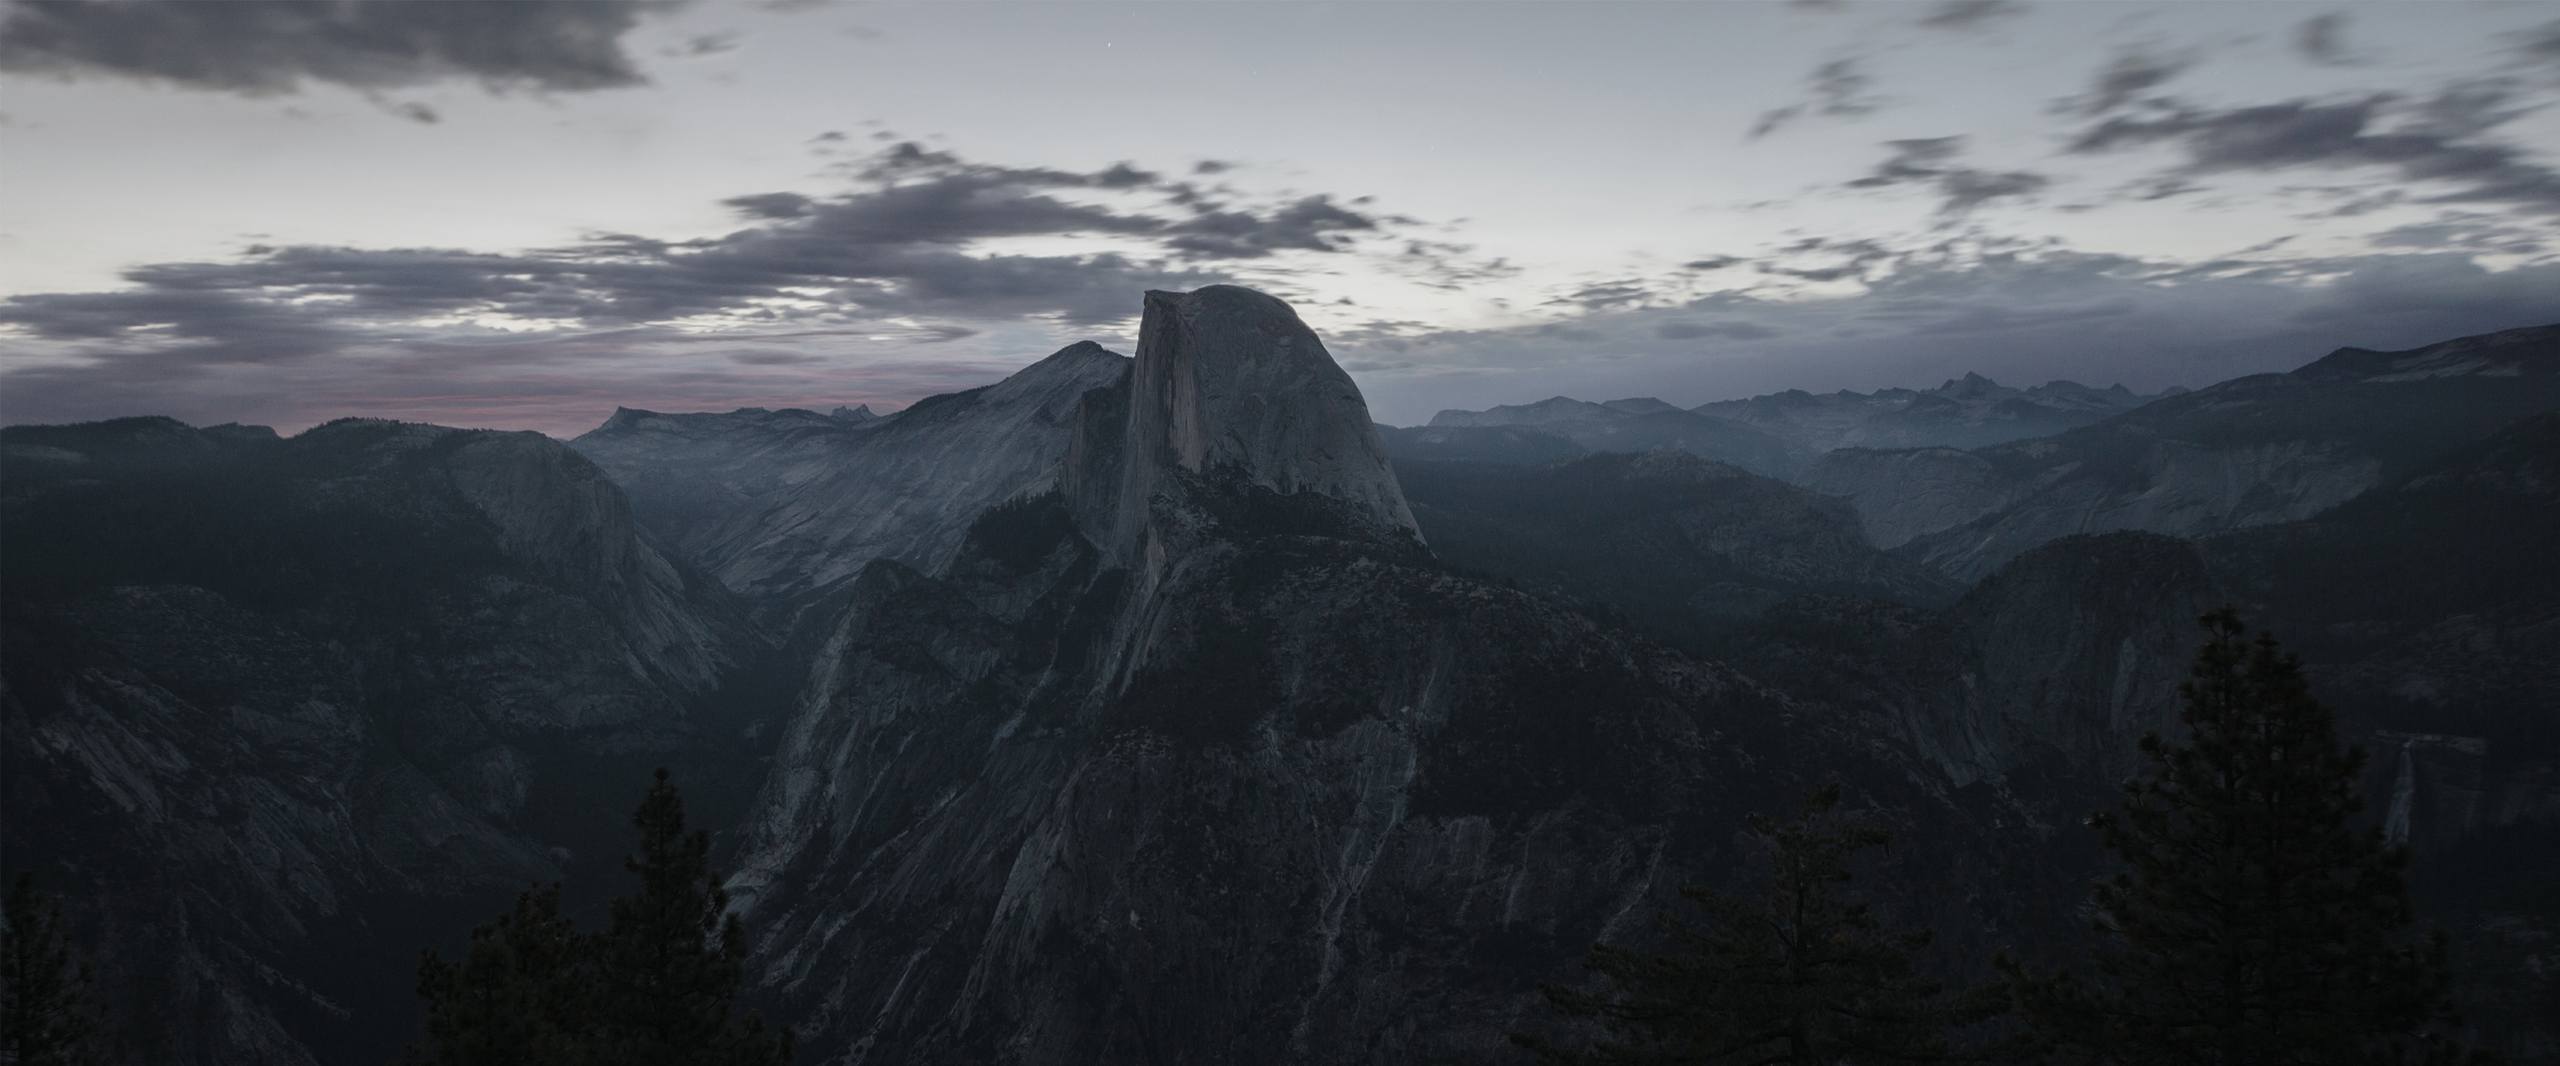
2530 351
856 413
1229 385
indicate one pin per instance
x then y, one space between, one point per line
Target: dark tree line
655 988
2252 923
46 1017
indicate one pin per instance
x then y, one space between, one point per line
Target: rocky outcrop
781 505
273 712
1233 771
1230 387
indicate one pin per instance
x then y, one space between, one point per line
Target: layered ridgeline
1775 435
1967 412
1634 425
1204 758
277 712
2247 452
781 505
1683 546
2427 611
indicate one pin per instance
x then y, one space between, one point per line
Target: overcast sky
523 215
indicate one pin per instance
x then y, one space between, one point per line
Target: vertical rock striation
1232 389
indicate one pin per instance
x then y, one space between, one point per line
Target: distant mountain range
1777 434
2251 451
1166 708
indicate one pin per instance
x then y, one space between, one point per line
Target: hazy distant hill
1640 425
2251 451
1965 412
1778 434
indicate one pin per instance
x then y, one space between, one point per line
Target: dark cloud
1448 265
194 326
2322 39
707 44
1713 262
2540 44
2127 77
1312 223
1737 331
1930 161
902 257
770 205
262 47
2468 231
1212 166
1607 295
2473 106
1836 89
2435 141
1971 14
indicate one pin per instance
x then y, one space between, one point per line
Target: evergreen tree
45 1017
654 989
523 993
1800 972
2253 923
671 961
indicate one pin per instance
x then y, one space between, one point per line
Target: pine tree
2253 923
670 963
1800 972
654 989
523 993
45 1017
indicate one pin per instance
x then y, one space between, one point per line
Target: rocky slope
2248 452
780 505
274 713
1233 771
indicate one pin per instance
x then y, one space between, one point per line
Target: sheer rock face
782 505
1230 386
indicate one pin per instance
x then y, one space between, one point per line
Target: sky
523 215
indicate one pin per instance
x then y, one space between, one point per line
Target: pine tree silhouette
671 960
524 992
2254 924
656 988
45 1013
1801 972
